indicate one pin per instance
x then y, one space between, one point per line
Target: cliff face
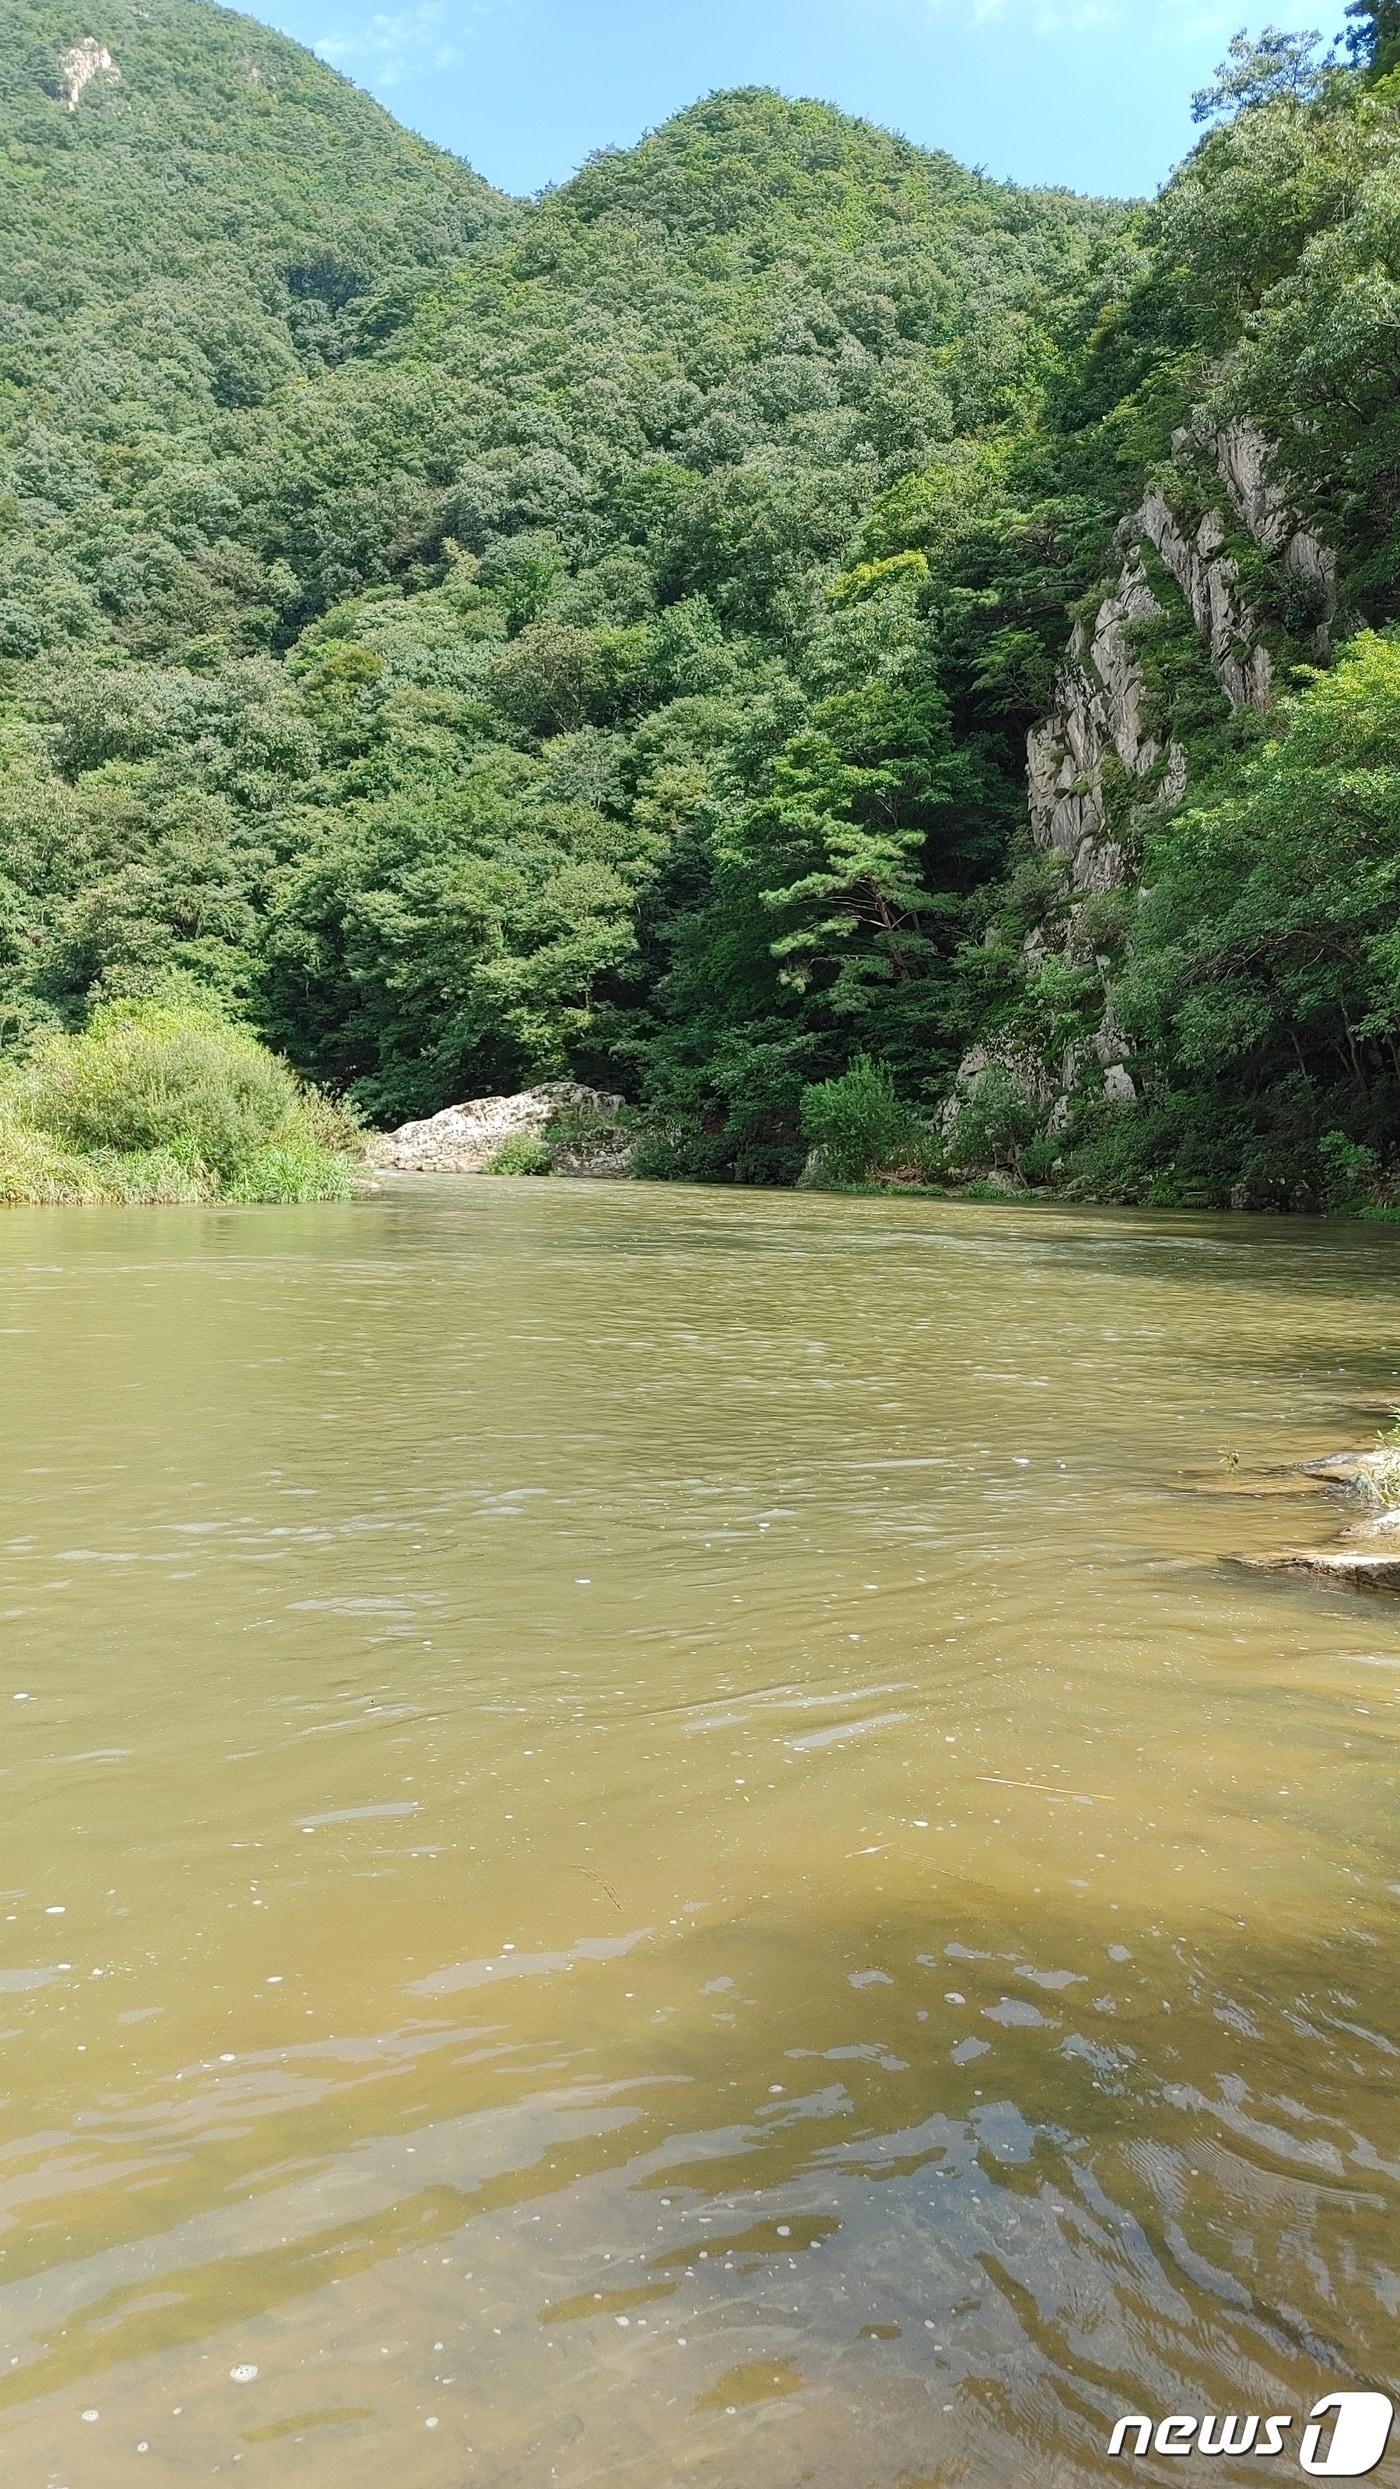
1100 710
1103 704
1106 757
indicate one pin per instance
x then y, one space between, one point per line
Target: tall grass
1380 1476
166 1101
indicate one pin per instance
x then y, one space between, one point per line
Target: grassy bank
166 1101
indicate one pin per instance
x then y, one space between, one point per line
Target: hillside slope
144 136
409 705
602 638
193 216
1194 995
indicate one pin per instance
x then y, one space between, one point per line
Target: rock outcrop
1101 697
1101 764
78 67
1102 704
1366 1555
1361 1561
1244 463
462 1139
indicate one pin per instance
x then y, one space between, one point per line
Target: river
648 1838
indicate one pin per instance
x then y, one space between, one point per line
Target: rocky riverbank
1365 1553
574 1130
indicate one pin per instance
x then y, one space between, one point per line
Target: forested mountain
483 642
195 218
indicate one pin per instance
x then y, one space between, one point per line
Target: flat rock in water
1366 1556
1338 1469
1352 1567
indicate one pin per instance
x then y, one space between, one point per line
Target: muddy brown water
647 1839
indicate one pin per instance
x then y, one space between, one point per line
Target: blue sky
1093 93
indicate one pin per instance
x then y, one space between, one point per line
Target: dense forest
474 642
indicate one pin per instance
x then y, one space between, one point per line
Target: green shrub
995 1125
36 1168
521 1153
1040 1158
1145 1152
858 1124
1349 1172
166 1100
671 1151
579 1139
768 1165
1380 1479
156 1076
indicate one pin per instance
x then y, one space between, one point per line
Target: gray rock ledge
461 1139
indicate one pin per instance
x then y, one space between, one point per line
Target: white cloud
1185 24
1210 18
1047 17
389 45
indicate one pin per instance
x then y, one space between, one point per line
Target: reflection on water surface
645 1839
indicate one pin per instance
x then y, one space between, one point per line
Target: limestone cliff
1106 758
1102 703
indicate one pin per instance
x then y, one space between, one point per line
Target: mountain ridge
599 638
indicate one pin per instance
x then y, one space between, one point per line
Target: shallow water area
647 1836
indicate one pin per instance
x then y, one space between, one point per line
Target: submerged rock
1338 1468
1254 1485
1376 1475
1365 1556
462 1139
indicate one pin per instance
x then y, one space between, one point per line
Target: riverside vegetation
470 644
155 1102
